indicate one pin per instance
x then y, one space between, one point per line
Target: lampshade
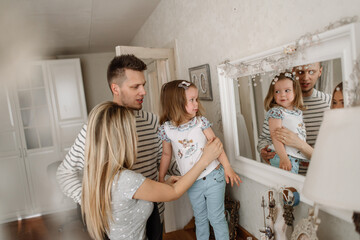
333 177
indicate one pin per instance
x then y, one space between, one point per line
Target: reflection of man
126 81
316 103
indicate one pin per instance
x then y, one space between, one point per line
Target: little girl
283 104
184 132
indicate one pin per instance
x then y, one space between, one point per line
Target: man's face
132 91
308 75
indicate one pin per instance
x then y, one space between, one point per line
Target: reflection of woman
116 200
289 138
337 100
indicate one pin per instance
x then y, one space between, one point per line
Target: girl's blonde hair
111 144
269 101
173 102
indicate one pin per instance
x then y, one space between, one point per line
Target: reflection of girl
290 139
184 132
284 104
115 199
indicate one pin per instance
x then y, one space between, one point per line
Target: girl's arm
230 175
165 160
289 138
161 192
285 163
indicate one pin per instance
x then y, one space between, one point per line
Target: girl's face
192 105
284 93
338 100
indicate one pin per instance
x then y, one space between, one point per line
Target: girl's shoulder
205 123
275 112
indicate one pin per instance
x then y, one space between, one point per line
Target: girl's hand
285 164
231 176
212 150
288 137
172 179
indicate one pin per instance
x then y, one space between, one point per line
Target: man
126 80
316 103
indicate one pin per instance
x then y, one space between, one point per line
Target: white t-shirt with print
188 141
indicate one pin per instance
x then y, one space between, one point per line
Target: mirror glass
250 92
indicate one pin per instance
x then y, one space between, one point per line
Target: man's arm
69 173
263 142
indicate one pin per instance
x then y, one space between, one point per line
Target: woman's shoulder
129 176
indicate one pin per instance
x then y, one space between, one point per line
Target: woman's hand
288 138
212 150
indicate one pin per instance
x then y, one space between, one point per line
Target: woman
115 200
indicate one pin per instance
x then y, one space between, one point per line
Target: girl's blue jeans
207 200
295 162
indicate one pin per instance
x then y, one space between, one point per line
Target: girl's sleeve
162 134
204 123
275 113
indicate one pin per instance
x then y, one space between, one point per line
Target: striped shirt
315 105
148 157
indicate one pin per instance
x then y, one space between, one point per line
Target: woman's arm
230 175
165 160
291 139
161 192
285 163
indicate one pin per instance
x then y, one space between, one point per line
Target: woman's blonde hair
173 102
111 144
269 101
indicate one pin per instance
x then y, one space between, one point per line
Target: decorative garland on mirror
353 92
285 59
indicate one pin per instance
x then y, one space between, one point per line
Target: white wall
94 68
211 31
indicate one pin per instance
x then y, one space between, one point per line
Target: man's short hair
116 68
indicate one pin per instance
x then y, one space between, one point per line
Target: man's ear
320 71
115 89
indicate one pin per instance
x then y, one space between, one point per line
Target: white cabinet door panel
14 200
66 80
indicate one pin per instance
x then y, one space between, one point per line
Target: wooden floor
47 228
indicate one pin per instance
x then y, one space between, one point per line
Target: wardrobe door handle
20 152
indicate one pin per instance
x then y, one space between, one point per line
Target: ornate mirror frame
336 43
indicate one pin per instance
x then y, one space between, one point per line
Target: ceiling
80 26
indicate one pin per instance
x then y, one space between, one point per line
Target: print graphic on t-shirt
189 147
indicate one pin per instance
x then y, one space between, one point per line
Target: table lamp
333 177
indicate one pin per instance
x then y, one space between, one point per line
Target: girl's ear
115 89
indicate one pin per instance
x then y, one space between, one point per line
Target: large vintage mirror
250 92
244 84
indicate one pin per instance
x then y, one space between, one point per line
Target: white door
36 122
15 196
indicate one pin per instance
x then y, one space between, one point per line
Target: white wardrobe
41 113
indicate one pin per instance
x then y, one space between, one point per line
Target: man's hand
267 154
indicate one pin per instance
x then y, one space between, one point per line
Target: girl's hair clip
185 85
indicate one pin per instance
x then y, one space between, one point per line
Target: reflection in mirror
317 82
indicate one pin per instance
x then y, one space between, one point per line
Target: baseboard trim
242 233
